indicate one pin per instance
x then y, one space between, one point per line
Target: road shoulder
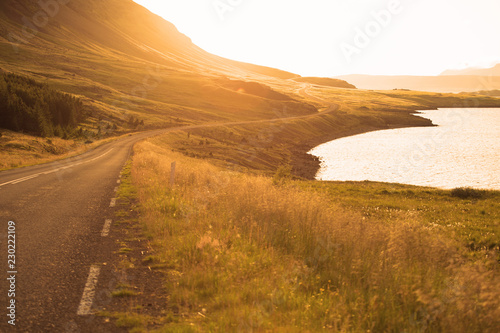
129 295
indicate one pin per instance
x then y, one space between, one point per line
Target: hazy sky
335 37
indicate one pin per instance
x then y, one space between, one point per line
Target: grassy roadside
133 298
248 252
21 150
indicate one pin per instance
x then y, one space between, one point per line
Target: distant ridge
492 71
323 81
440 84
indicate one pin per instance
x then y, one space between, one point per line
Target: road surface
58 211
53 221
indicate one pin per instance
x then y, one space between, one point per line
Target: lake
463 150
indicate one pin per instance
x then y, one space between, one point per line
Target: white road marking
19 180
105 229
112 203
85 307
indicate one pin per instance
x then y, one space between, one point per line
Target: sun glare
326 38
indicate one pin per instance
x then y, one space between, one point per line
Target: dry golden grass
19 150
245 252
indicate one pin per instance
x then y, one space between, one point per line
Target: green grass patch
132 321
124 293
125 250
246 253
469 216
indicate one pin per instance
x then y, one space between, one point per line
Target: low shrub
468 193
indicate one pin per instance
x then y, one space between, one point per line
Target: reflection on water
463 150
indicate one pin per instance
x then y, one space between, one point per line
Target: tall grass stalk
245 253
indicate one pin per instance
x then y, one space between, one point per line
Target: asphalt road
59 210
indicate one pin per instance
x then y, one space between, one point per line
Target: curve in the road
59 209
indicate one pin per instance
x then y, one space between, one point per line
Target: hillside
118 26
323 81
128 62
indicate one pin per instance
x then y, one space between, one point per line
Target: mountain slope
123 26
128 62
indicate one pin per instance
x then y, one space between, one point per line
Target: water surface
463 150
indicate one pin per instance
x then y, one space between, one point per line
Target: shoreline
307 166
